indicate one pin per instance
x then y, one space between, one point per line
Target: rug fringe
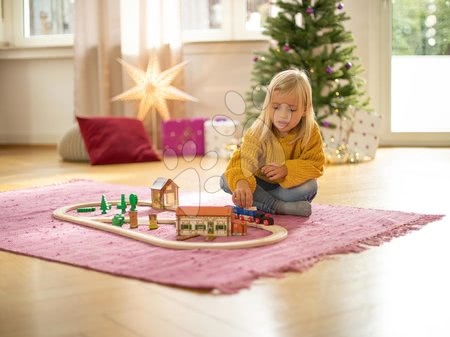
387 236
357 247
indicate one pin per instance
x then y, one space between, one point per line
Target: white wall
366 28
36 100
215 69
36 95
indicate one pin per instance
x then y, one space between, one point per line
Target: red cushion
114 140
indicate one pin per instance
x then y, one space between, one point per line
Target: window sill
225 47
25 53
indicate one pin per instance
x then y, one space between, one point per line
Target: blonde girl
281 155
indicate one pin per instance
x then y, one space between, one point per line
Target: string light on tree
299 20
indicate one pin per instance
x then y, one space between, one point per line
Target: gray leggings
266 194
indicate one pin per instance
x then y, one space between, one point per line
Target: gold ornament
153 88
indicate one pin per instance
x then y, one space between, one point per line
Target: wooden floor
399 289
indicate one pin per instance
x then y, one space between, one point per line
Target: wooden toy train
253 215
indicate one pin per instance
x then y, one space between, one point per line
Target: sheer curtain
96 47
106 30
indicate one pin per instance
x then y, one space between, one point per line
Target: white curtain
96 46
129 29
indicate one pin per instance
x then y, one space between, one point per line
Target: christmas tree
310 35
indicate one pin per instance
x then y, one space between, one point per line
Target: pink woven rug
27 227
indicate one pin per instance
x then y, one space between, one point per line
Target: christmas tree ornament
310 10
340 6
153 88
329 70
286 47
348 65
255 59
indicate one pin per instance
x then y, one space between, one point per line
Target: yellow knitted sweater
303 163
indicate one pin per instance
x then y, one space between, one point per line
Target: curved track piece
278 233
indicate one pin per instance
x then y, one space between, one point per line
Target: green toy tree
104 205
310 35
123 204
133 201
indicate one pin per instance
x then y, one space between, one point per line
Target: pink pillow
114 140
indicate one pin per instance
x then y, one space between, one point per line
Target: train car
265 220
253 215
247 214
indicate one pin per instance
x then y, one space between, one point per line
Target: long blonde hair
291 81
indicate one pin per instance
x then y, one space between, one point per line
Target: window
220 227
186 226
420 57
200 227
220 20
416 55
37 23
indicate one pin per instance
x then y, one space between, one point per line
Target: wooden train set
189 221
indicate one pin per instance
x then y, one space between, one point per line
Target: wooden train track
104 223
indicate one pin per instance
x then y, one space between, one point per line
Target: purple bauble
286 47
256 59
340 6
309 10
329 70
348 65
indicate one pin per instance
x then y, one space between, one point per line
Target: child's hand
274 171
242 195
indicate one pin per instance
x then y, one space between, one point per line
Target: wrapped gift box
333 137
367 122
352 140
184 136
364 136
220 134
363 145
